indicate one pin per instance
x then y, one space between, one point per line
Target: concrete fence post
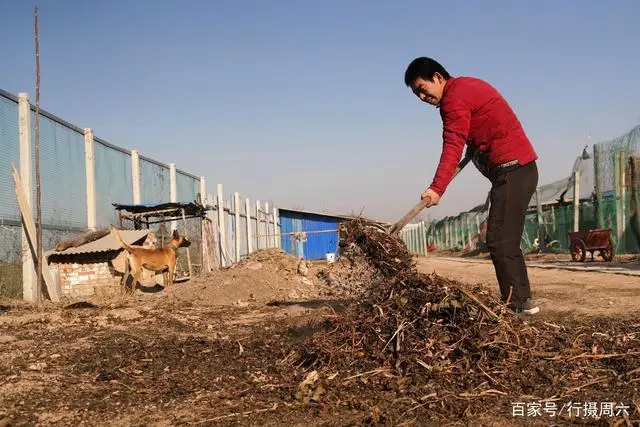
90 167
30 291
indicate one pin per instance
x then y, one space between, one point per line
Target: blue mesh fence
606 157
155 182
188 187
113 182
63 183
62 174
9 147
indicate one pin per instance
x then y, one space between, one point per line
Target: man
474 114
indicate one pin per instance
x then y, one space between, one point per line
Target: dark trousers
511 192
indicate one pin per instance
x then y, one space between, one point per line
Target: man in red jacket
476 115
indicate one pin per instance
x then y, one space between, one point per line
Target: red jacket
473 112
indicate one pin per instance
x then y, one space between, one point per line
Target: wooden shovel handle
409 215
423 203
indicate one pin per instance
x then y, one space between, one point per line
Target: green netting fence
612 203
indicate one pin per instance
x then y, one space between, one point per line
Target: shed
310 235
145 215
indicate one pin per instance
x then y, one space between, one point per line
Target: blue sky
303 103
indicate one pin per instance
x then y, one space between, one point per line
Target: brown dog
152 259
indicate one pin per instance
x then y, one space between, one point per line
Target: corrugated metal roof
329 215
104 244
307 212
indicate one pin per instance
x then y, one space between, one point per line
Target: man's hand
433 197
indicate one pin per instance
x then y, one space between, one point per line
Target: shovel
423 203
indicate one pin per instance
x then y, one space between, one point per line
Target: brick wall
87 274
86 279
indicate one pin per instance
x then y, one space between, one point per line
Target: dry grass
10 280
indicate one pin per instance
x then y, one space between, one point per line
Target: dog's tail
122 242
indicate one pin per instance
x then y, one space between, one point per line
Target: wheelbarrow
581 242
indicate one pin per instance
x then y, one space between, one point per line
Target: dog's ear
176 235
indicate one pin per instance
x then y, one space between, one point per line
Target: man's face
429 91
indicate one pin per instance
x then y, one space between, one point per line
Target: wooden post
247 209
40 259
135 176
236 211
576 201
184 223
222 229
30 290
53 287
90 178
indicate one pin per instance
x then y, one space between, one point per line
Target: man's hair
424 68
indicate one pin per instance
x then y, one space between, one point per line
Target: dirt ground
220 350
557 285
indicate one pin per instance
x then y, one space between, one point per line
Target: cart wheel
578 251
607 253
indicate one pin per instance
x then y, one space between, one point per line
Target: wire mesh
629 142
113 182
188 188
9 147
155 182
62 176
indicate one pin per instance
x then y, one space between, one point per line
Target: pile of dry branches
437 343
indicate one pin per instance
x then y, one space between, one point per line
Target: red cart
581 242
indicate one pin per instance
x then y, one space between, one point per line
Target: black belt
508 164
495 171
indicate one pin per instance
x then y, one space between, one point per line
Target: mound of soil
267 275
